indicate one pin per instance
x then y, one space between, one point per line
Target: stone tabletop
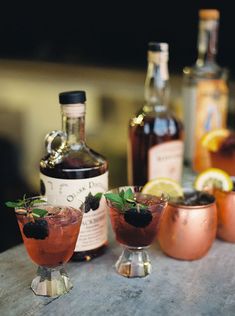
203 287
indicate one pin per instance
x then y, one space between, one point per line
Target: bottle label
73 192
165 160
211 113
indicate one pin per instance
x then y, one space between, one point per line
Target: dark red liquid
151 131
58 247
132 236
78 165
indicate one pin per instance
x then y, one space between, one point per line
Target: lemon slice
213 178
213 139
159 185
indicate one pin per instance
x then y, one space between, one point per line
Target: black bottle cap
157 47
72 97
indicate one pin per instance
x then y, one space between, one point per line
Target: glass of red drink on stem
135 221
49 232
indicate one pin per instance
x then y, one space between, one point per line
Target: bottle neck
156 83
73 124
207 42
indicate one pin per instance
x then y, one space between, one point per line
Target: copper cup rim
190 207
182 206
225 192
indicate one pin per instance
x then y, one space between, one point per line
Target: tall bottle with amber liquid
205 92
74 173
155 143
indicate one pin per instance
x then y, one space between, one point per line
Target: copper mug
226 215
187 232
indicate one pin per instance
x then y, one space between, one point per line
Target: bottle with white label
205 92
74 172
155 143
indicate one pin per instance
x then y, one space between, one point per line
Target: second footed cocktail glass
49 233
135 221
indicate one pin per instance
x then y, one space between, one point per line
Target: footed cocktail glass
135 221
49 233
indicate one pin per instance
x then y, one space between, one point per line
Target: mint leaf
36 201
122 193
115 199
98 195
129 195
37 212
12 204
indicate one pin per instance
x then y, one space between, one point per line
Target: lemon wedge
166 185
213 139
213 178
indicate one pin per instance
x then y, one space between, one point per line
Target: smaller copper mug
226 215
187 232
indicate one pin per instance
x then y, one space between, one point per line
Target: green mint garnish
37 201
37 212
116 199
98 195
12 204
124 200
129 195
26 204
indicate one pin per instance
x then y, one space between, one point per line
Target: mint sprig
28 204
37 212
124 200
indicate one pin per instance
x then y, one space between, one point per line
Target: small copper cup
224 161
187 232
225 202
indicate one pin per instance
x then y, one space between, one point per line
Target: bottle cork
209 14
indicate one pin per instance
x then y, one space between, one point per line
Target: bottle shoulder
208 71
151 113
75 163
161 124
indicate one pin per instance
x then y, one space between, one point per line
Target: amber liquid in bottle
151 131
155 135
74 161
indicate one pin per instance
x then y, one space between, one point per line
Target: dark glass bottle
72 171
155 135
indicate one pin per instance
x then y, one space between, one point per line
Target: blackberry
91 202
139 219
37 230
95 203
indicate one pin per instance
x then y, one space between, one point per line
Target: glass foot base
51 282
134 262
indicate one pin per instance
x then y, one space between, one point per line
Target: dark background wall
110 33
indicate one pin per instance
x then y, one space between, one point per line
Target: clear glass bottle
73 172
205 92
155 145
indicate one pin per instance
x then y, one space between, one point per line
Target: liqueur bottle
74 172
205 92
155 147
